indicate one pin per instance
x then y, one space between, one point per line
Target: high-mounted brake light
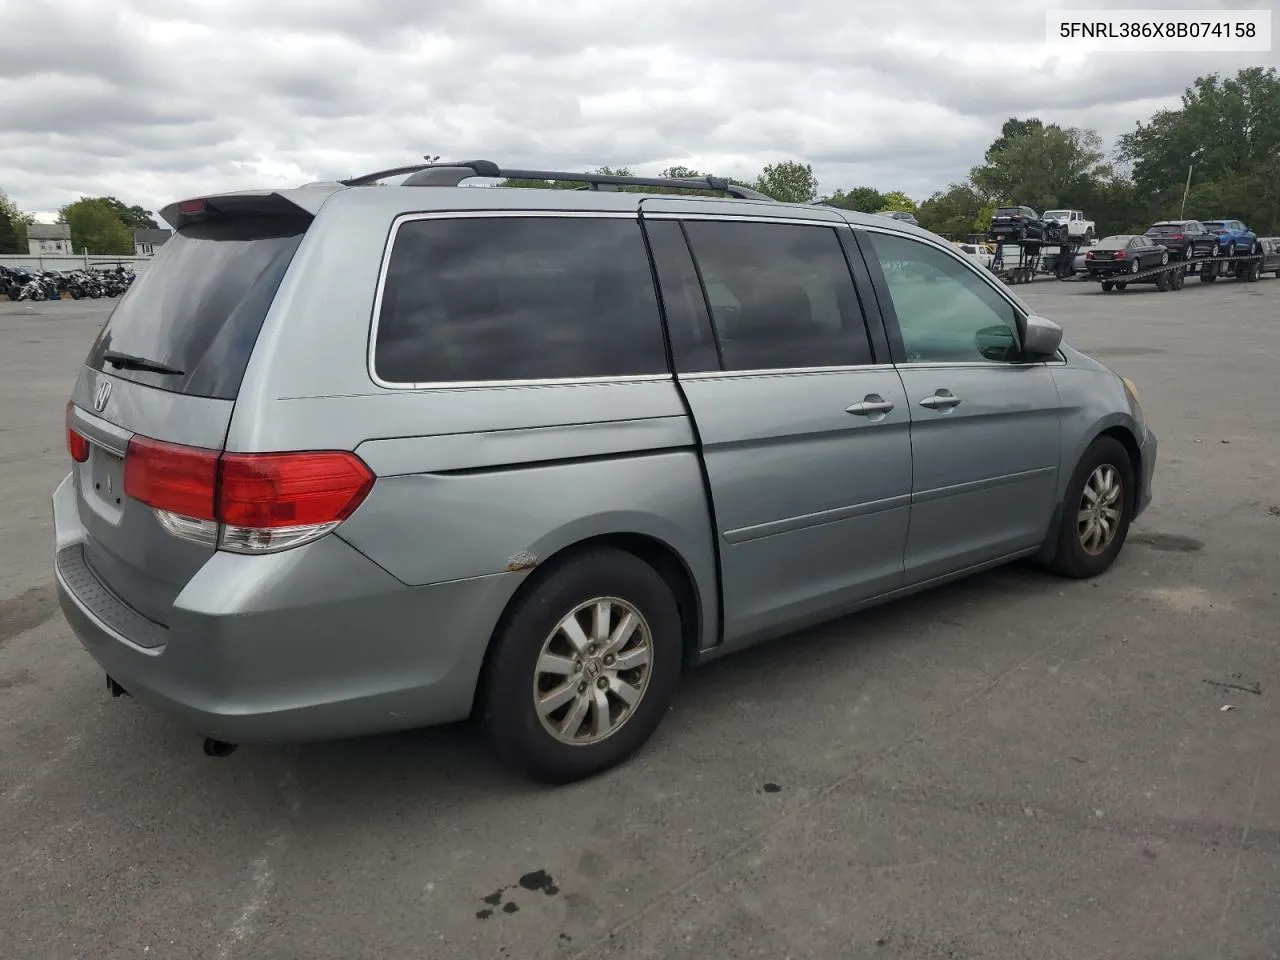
191 207
77 445
245 502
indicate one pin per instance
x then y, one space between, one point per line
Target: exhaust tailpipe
218 748
115 688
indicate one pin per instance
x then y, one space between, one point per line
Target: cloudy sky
152 100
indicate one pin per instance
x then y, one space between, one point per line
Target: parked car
1011 224
1184 239
1233 236
1269 247
1123 255
902 215
979 251
1079 228
282 536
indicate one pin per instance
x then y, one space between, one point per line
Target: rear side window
781 295
198 307
518 298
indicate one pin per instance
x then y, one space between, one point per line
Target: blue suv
1233 236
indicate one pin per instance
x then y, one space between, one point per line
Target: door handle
941 400
873 405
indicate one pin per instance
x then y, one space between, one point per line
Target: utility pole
1186 190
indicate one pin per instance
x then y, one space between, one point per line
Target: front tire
1107 286
1096 512
583 667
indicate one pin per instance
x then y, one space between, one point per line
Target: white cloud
151 100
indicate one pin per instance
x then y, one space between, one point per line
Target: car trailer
1173 275
1033 260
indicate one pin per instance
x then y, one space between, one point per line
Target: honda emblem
102 395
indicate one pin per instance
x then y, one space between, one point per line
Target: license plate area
106 478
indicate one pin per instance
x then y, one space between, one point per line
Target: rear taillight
245 502
1119 255
1088 255
1177 236
77 445
172 478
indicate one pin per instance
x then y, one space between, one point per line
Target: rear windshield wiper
125 361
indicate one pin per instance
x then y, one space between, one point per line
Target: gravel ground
1012 766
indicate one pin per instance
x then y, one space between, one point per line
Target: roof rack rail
451 174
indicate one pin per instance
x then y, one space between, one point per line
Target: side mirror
1041 340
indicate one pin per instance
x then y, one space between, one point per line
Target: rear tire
1121 285
532 636
1107 286
1179 280
1095 517
1163 281
1208 277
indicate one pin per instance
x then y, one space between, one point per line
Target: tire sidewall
1072 558
508 695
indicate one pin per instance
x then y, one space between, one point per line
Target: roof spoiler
298 202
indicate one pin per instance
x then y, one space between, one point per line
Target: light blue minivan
349 460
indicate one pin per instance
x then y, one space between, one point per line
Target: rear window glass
518 298
198 307
1009 212
1163 229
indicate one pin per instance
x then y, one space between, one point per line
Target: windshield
199 306
1058 215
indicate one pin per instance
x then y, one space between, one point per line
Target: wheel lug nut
582 688
608 661
602 683
591 648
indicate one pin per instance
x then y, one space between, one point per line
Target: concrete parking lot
1011 767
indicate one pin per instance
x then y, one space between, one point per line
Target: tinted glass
518 298
1010 212
693 345
1164 229
1114 243
199 305
946 312
781 295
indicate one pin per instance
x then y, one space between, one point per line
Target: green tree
897 200
134 217
1227 132
1040 165
789 181
1013 129
13 226
953 212
96 226
860 199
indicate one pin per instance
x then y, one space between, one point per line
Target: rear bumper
310 644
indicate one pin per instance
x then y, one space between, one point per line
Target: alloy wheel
1098 518
592 671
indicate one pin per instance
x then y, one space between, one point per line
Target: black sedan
1115 257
